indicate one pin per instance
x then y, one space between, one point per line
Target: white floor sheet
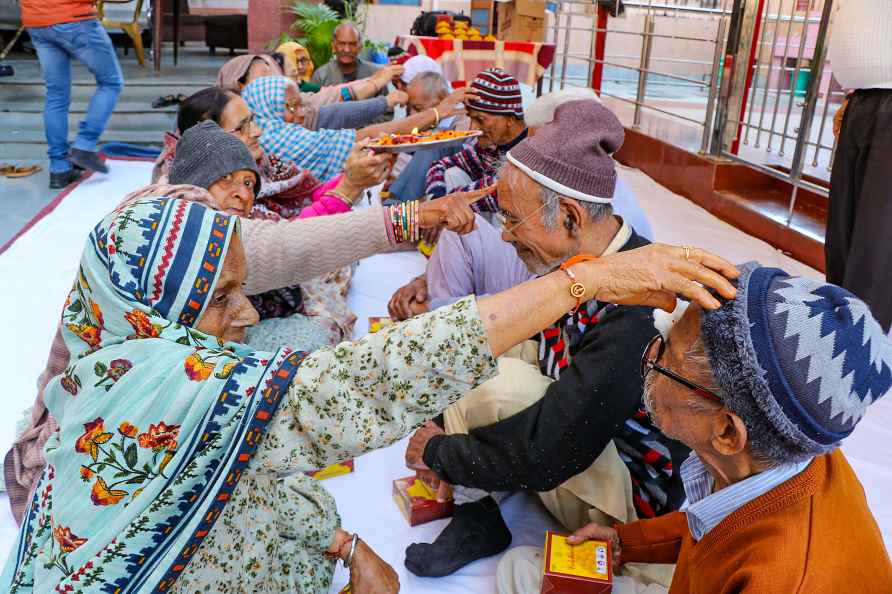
38 270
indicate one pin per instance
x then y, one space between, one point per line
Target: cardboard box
582 569
520 20
418 502
339 469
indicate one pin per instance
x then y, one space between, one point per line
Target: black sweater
564 432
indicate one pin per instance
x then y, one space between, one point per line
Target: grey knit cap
798 360
572 154
206 154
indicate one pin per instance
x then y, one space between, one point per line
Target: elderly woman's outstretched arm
359 396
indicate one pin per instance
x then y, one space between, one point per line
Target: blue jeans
87 42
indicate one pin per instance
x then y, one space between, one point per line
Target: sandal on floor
22 171
6 168
168 100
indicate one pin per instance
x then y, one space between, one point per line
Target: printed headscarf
322 152
165 419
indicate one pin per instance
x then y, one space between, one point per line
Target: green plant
316 23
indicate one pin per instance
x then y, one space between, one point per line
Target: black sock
477 530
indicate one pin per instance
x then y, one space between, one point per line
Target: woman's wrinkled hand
452 212
654 275
409 300
370 574
397 98
365 168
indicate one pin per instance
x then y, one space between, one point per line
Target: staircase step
14 122
124 105
15 93
142 137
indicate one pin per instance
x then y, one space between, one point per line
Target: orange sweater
45 13
813 534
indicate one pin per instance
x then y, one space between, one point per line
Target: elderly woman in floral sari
180 456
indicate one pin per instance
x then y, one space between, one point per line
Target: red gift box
576 569
418 502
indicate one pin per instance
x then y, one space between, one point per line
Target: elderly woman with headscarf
763 390
281 253
282 115
238 73
322 110
286 191
180 456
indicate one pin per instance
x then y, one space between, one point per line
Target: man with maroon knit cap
497 111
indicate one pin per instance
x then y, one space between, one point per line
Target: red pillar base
267 20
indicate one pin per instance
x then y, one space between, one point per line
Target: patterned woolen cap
797 357
499 93
206 154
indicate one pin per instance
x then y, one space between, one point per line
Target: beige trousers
602 493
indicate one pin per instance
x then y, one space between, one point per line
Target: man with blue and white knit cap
763 390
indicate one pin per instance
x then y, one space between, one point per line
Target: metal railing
739 79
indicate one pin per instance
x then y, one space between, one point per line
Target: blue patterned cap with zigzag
825 358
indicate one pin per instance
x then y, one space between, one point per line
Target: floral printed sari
165 419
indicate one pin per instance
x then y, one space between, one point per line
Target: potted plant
314 26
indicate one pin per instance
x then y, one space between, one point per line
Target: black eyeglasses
649 359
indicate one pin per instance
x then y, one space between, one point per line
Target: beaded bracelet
404 221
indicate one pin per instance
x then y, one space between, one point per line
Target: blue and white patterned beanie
798 360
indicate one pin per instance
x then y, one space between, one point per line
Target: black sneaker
61 180
87 160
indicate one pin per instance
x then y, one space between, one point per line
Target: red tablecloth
464 59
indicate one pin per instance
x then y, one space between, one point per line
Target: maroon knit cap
499 93
572 154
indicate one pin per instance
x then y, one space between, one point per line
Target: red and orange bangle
577 289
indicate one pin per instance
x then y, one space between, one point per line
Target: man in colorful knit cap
497 111
565 417
763 390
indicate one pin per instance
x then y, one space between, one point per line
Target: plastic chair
131 28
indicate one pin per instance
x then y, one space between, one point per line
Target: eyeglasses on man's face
508 223
649 361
